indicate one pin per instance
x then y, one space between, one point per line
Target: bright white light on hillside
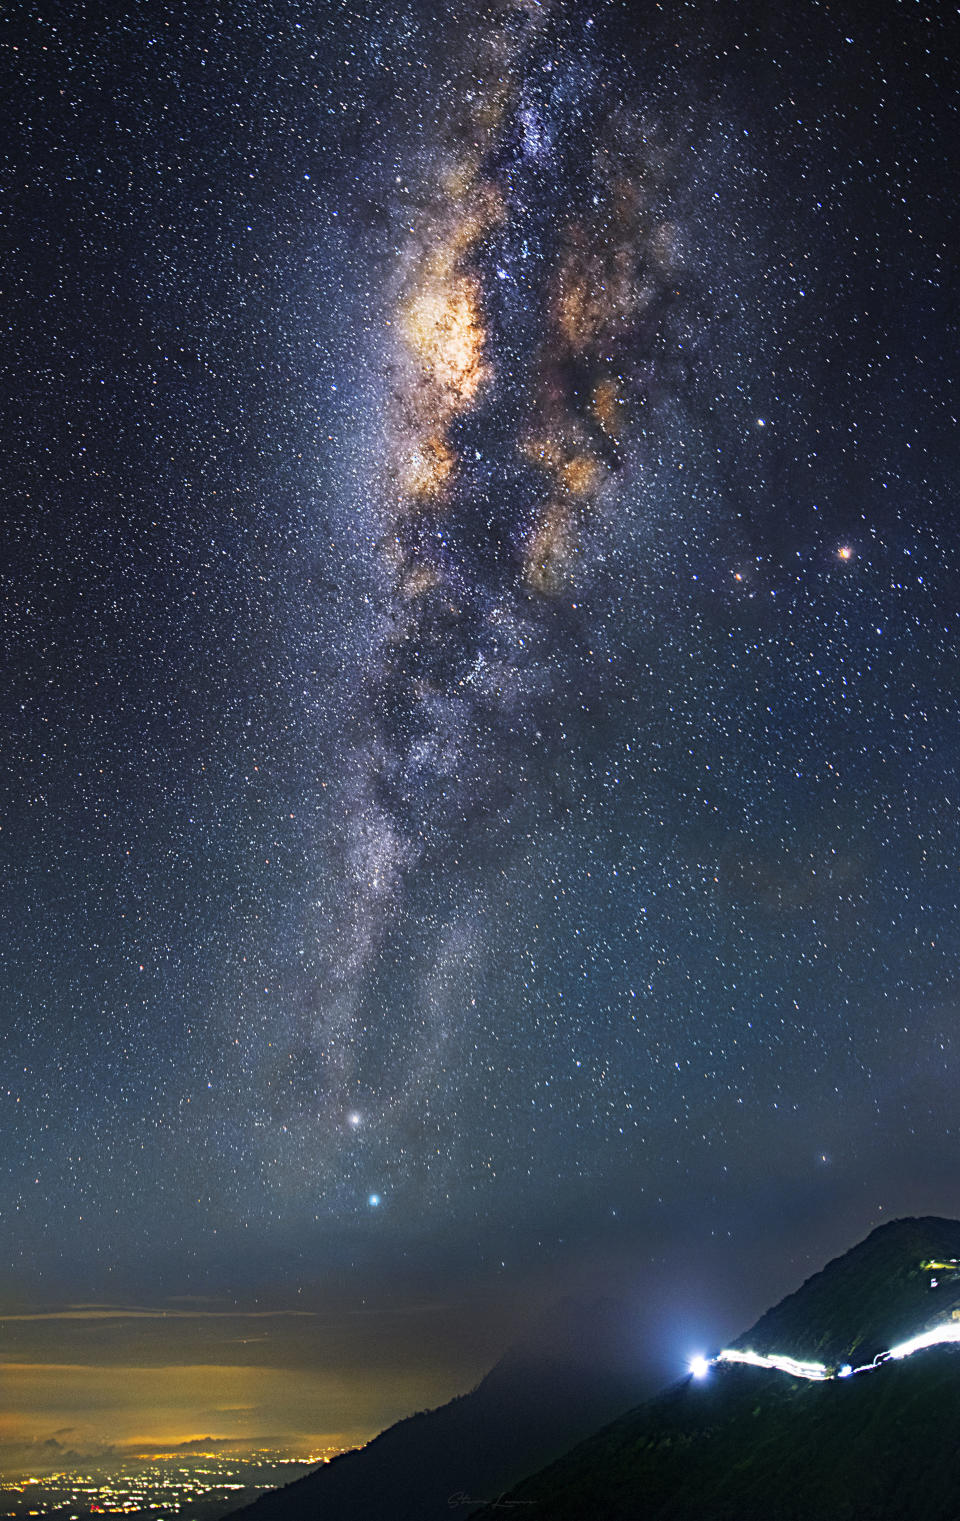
699 1367
815 1371
937 1336
946 1333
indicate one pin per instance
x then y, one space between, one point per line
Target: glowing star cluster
445 362
443 328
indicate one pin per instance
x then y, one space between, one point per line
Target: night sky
481 686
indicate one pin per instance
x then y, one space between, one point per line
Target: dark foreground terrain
573 1372
742 1443
747 1443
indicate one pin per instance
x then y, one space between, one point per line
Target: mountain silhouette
872 1297
746 1442
573 1370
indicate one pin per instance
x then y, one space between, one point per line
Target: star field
481 631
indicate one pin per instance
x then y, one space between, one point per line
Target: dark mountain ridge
573 1371
870 1298
747 1442
742 1444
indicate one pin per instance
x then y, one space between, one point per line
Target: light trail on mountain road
817 1372
942 1335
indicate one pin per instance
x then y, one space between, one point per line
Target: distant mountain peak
573 1368
585 1333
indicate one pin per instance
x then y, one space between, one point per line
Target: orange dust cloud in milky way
613 274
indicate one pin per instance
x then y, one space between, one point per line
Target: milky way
533 329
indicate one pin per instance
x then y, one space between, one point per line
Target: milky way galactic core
534 321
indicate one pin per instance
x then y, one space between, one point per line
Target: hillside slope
751 1444
748 1443
573 1372
873 1296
